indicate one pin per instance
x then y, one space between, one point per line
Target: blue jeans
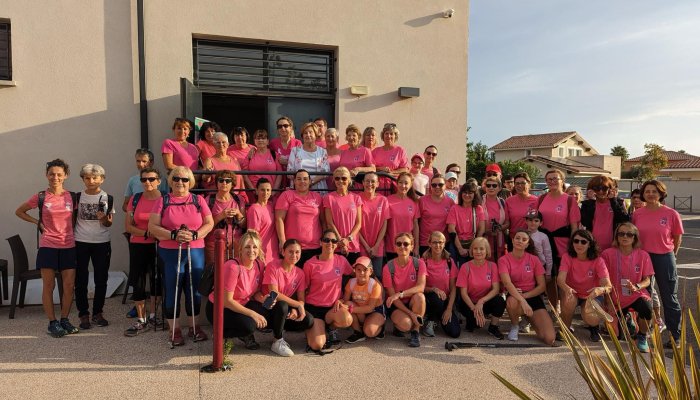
171 278
666 276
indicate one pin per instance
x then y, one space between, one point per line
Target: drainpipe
143 103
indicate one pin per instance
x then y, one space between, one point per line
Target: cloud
680 108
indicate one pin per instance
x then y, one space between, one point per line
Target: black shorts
536 303
56 259
317 311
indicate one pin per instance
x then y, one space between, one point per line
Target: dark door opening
231 111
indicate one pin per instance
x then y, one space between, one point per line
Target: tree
510 167
479 156
621 152
654 159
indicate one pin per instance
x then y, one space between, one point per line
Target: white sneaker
513 333
281 347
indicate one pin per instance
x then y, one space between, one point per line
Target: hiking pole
469 345
189 262
157 278
177 287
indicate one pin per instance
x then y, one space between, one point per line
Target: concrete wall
515 155
608 163
75 64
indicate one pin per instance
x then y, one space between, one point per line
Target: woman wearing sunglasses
404 279
343 211
228 211
403 213
298 215
660 231
261 217
324 279
261 158
440 288
181 219
221 161
520 204
496 215
582 276
522 275
602 215
142 251
465 222
631 272
375 215
285 141
432 211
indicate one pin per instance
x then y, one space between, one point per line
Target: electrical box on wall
409 92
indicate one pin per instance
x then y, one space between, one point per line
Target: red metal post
220 248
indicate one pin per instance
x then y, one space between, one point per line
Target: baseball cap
418 155
493 168
364 261
450 175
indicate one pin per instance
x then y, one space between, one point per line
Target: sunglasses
402 244
427 153
340 178
492 185
580 241
600 188
521 183
329 240
179 178
626 234
280 126
437 242
224 180
149 179
437 185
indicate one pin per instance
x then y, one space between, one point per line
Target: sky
617 72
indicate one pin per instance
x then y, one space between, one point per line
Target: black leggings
142 263
434 307
642 306
495 307
240 325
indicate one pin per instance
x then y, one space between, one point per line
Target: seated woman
404 280
343 210
324 275
440 288
522 275
288 281
630 271
582 275
480 288
363 296
243 298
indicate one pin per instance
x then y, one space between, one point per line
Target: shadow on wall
367 103
423 21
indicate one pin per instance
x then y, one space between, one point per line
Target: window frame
6 30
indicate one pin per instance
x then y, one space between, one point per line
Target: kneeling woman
287 280
582 275
631 270
522 275
480 288
363 296
440 288
404 280
243 298
324 276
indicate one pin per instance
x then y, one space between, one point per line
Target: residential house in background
681 166
567 151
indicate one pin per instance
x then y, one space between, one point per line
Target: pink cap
364 261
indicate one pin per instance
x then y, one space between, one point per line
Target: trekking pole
468 345
177 287
156 280
189 262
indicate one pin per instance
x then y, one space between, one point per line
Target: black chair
3 288
23 274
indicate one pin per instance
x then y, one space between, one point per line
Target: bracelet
194 235
173 234
401 294
145 234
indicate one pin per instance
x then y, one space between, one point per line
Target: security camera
448 13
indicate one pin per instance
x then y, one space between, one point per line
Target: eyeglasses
492 185
224 180
437 185
329 240
492 174
402 244
340 178
600 188
521 183
149 179
427 153
580 241
179 178
280 126
626 234
437 242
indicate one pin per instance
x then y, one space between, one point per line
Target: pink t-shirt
462 218
394 158
404 277
657 228
324 279
57 218
522 272
333 163
583 275
402 214
478 279
240 154
493 210
518 208
428 171
433 216
303 221
241 281
321 143
633 267
374 213
359 157
140 217
262 219
181 211
219 207
344 211
261 162
206 150
182 156
288 283
603 225
555 215
439 274
276 146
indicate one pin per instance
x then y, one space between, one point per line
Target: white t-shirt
88 228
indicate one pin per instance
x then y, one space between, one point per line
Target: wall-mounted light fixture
448 13
409 92
359 90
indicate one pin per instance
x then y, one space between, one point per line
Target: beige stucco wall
75 64
515 155
683 175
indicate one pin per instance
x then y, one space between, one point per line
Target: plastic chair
23 274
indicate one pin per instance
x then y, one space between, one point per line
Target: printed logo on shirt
610 210
294 285
637 269
590 273
48 205
269 161
488 277
412 277
559 208
337 271
87 212
447 209
392 158
410 209
528 268
663 221
357 158
379 209
313 203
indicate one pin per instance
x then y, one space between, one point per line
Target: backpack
392 268
167 203
211 200
75 198
206 282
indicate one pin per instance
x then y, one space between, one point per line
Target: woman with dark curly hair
602 215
